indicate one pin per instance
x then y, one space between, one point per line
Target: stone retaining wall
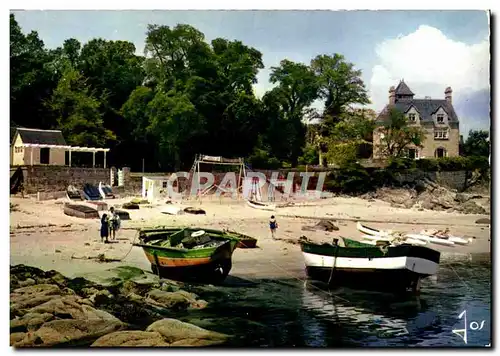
57 178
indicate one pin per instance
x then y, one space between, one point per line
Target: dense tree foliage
184 96
396 135
477 144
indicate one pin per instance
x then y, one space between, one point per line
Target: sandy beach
42 236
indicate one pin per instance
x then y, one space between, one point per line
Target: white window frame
440 116
416 152
412 117
441 134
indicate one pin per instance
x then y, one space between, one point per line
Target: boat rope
460 278
305 281
130 250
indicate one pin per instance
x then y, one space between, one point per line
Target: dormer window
412 117
440 118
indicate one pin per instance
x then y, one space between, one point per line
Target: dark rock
326 225
470 207
196 211
483 221
130 206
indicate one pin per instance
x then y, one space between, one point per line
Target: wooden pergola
69 149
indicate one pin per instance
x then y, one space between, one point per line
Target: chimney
447 94
392 95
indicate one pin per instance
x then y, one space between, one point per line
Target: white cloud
429 62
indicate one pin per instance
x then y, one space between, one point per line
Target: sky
430 50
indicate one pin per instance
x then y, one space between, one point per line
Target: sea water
295 313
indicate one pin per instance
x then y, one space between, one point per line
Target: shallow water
294 313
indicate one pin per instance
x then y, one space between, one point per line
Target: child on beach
114 223
273 225
104 228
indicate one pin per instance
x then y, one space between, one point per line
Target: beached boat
73 194
105 191
445 235
357 264
81 211
91 192
428 236
371 231
172 210
261 206
404 239
189 253
245 241
434 240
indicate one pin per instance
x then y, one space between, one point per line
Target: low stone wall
457 180
57 178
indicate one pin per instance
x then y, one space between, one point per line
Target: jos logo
474 325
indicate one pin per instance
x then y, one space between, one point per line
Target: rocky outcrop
51 310
430 196
322 225
176 331
130 338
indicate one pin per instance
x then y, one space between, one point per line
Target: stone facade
437 117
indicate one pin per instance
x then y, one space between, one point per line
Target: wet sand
64 243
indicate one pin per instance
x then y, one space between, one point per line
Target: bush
400 164
449 164
351 178
260 159
427 164
310 155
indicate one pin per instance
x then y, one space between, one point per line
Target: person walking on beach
104 228
273 225
114 223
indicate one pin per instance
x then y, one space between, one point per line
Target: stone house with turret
436 116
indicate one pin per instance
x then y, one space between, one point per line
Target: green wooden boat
189 253
396 268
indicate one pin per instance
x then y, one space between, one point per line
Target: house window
44 155
440 118
440 152
165 184
412 117
441 134
412 153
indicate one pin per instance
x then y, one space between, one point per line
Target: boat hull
255 205
393 268
203 264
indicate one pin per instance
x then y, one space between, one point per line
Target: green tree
396 135
77 111
295 91
176 125
31 80
340 85
353 131
477 144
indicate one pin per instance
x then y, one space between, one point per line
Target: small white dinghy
261 206
405 240
371 231
455 239
172 210
434 240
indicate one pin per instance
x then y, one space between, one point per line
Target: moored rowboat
189 253
358 264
